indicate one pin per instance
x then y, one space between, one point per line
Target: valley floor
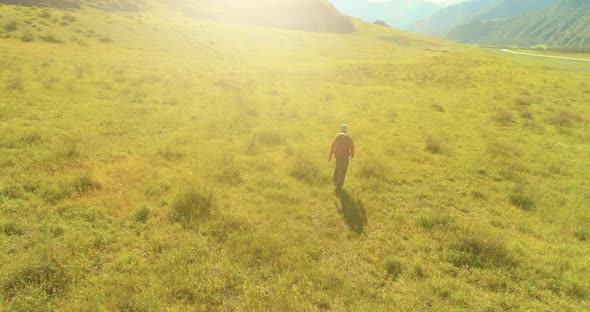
182 165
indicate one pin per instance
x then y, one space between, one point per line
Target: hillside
552 23
566 24
306 15
399 14
153 160
463 21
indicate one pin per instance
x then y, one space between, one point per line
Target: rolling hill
399 14
460 22
552 23
175 159
565 25
306 15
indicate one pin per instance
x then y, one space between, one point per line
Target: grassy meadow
150 161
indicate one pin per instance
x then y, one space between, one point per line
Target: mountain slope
306 15
566 24
464 21
399 14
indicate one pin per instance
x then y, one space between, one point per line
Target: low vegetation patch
565 118
477 248
522 201
305 170
192 205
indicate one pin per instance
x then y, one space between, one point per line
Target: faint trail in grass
546 56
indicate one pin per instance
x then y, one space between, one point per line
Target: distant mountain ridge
397 13
565 24
554 23
305 15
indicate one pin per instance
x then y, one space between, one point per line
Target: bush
84 183
15 84
105 39
50 38
504 118
192 205
32 138
27 37
434 145
438 107
372 169
269 137
10 26
434 221
476 248
10 228
45 14
142 214
565 118
305 170
394 267
521 101
49 276
230 172
522 201
68 18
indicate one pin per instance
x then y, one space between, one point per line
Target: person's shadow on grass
352 211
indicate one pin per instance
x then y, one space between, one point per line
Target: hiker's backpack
343 143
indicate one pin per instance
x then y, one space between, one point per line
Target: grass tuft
84 183
522 201
504 118
192 205
434 145
142 214
394 268
305 170
479 249
565 118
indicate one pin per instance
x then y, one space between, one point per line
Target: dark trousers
340 172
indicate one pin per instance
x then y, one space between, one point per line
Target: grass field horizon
152 161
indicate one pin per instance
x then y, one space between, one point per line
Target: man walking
343 149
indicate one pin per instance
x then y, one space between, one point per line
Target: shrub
372 168
504 118
230 172
45 14
15 84
170 153
49 276
522 201
10 26
50 38
142 214
84 183
565 118
434 221
394 267
434 145
27 37
305 170
521 101
68 18
10 228
191 205
269 137
105 39
438 107
479 249
32 138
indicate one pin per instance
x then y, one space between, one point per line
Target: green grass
183 166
